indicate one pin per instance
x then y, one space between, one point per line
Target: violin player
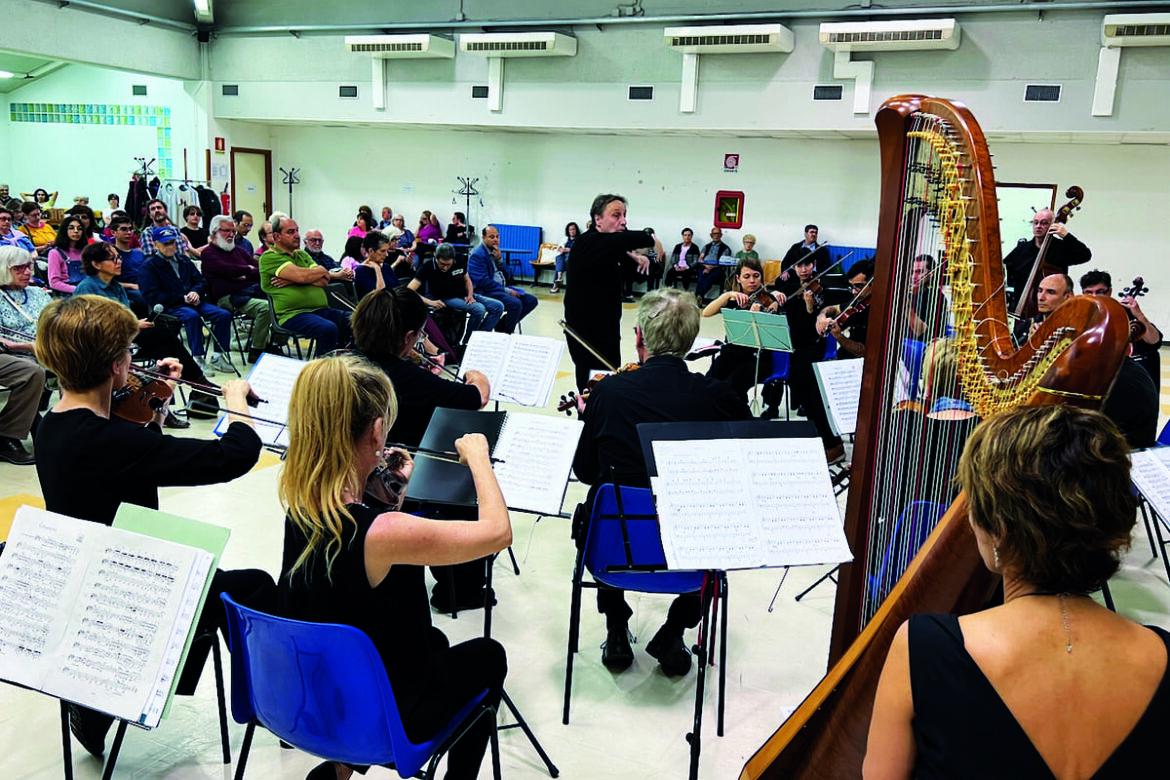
737 364
662 390
831 321
89 463
800 301
386 325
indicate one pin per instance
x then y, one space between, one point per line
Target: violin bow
605 363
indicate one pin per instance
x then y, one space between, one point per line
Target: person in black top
712 265
1145 350
458 232
374 273
662 390
386 325
197 234
444 278
1060 685
801 307
351 557
819 253
89 463
738 364
593 303
1064 250
830 322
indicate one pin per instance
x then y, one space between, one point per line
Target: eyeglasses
22 268
314 240
124 229
857 285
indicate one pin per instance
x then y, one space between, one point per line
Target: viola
569 401
141 399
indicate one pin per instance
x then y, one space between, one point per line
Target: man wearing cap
296 285
169 278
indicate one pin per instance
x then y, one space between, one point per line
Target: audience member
361 226
387 214
156 211
296 285
490 278
243 228
24 379
374 273
169 279
10 236
40 233
683 260
562 261
713 262
65 256
444 282
124 240
196 233
314 246
233 280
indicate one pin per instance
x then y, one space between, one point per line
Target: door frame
267 155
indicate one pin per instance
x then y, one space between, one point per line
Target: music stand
758 330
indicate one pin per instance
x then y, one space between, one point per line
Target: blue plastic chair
322 688
922 517
623 549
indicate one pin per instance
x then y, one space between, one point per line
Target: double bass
1026 306
913 547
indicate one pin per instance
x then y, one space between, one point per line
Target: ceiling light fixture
5 74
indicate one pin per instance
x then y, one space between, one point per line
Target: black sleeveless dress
964 730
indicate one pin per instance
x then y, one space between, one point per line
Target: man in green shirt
297 285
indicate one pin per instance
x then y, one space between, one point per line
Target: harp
938 233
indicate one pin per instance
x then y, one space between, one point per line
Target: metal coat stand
290 178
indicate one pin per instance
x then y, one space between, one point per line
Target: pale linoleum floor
629 725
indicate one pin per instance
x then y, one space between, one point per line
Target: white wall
1000 53
548 179
94 160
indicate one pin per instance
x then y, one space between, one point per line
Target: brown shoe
171 421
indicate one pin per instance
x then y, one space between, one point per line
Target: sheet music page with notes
271 378
537 454
840 382
746 503
96 615
520 369
1151 475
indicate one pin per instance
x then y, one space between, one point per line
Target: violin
1040 268
854 309
569 401
141 399
765 299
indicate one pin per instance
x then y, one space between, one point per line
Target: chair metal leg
1143 505
1108 597
722 654
108 772
515 566
523 724
494 741
66 745
248 732
574 630
223 725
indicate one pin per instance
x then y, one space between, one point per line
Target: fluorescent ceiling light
4 74
202 5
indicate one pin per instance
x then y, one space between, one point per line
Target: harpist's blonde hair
334 402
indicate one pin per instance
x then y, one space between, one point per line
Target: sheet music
519 368
104 621
537 453
272 379
746 503
840 382
1151 474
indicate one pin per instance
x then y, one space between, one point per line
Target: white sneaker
221 363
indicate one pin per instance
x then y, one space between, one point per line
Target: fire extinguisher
226 200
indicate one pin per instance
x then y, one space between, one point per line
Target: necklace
1063 615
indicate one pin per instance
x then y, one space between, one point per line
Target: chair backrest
547 253
606 549
319 686
1164 436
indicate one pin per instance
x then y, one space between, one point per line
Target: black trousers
736 365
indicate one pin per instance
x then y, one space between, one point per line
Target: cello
937 197
1026 306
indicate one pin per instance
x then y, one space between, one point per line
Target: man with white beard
233 275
